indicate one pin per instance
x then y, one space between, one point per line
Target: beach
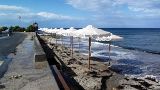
137 55
101 76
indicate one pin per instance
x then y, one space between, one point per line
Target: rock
146 84
92 73
74 61
120 87
139 87
152 79
104 74
126 78
89 83
136 79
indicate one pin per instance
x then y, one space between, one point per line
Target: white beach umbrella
41 29
60 32
70 32
110 39
91 32
49 30
55 31
46 30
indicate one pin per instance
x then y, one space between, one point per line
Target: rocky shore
101 76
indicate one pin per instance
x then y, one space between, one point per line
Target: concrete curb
39 56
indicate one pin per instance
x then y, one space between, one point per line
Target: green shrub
3 28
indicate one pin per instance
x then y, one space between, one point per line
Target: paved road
9 44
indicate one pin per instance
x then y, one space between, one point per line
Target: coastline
100 77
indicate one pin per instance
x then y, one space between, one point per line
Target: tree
30 28
0 31
3 28
17 29
11 28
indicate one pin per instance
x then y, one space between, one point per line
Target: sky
80 13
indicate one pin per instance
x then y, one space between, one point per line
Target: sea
137 55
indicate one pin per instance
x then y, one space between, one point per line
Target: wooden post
56 39
79 44
62 39
72 46
109 50
89 56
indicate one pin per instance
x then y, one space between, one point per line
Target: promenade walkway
21 73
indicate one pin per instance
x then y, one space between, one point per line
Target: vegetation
30 28
3 28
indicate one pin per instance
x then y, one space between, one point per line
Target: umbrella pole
56 39
62 39
109 51
72 47
79 44
70 43
89 56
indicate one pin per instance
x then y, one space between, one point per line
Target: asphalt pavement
8 44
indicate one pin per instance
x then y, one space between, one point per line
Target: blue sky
80 13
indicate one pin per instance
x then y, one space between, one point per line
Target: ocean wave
140 49
147 76
126 69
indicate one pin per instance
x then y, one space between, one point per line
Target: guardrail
60 80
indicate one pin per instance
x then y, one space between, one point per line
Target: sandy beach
100 76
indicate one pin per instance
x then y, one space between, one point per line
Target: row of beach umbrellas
90 32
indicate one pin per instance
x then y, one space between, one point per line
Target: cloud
9 15
120 13
139 7
6 11
13 8
49 16
90 5
40 16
